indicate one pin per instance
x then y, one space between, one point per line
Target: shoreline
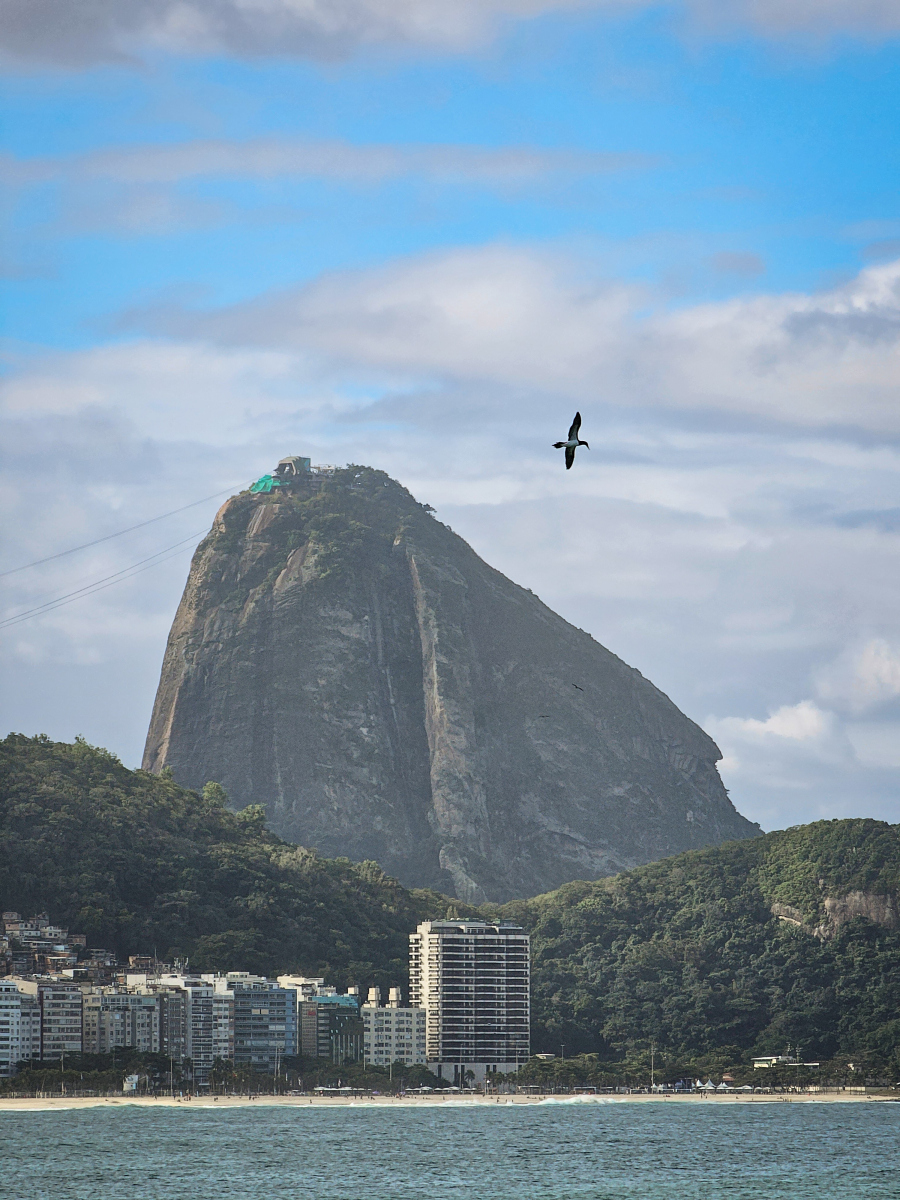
60 1103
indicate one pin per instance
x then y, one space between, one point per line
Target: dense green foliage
687 954
142 865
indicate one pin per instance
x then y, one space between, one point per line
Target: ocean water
605 1151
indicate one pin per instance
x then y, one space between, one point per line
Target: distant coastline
60 1103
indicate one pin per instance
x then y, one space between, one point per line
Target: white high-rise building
392 1033
223 1025
20 1027
473 979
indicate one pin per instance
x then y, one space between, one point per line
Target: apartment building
60 1014
112 1019
187 1020
223 1025
172 1021
473 980
392 1033
264 1019
238 1017
20 1027
330 1026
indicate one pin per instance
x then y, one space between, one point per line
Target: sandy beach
14 1104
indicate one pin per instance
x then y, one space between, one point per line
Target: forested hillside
139 864
792 938
789 939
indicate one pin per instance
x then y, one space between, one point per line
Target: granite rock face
345 660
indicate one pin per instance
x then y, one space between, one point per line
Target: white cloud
820 18
119 29
801 722
146 189
803 763
113 29
179 392
268 158
515 317
863 678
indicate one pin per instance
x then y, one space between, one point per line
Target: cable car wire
96 542
99 585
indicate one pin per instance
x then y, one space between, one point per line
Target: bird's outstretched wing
570 456
576 425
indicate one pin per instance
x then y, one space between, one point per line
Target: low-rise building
331 1027
40 947
780 1060
392 1033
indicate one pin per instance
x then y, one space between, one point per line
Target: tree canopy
744 949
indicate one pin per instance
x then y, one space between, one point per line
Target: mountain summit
344 659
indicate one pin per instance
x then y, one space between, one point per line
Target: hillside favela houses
468 1011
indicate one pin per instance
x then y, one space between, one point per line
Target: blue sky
789 154
393 232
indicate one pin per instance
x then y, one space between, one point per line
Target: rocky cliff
344 659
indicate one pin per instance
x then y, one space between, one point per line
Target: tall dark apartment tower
473 979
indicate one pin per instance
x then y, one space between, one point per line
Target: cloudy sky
418 234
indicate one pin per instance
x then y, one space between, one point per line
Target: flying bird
575 685
572 443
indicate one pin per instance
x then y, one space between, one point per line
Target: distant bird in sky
575 685
572 442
